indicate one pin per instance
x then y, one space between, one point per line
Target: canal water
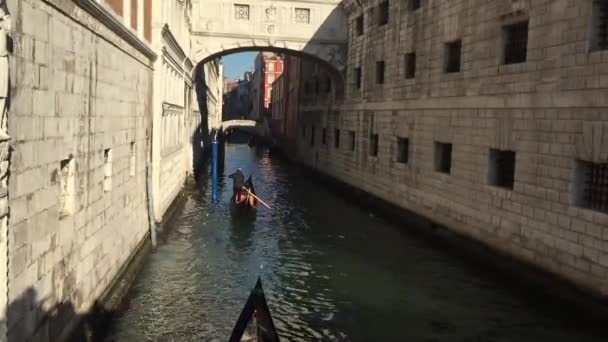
332 271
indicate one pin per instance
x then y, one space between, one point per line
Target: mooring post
214 167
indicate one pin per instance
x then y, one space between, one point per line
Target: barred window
452 56
303 131
414 5
312 136
443 157
382 13
241 12
599 40
380 72
410 65
502 168
403 150
359 26
358 75
351 138
302 15
592 185
373 145
336 138
516 43
324 136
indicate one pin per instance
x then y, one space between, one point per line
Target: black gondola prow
256 308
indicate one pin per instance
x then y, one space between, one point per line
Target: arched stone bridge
226 125
317 28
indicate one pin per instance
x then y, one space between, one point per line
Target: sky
236 64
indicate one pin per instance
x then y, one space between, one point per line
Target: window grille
358 76
443 157
302 15
380 72
312 136
303 131
336 138
359 25
403 150
241 12
453 52
594 186
324 136
502 168
414 5
383 9
351 136
410 65
516 43
600 24
373 149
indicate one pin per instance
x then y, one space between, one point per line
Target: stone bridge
226 125
316 28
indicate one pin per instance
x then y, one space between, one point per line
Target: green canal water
332 271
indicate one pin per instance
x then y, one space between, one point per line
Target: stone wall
550 110
80 112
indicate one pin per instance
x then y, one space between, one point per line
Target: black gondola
257 313
244 199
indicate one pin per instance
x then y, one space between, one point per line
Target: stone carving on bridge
271 14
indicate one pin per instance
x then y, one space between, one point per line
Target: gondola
244 200
256 316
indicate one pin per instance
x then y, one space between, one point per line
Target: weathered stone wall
551 110
78 121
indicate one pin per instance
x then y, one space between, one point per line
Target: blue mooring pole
214 167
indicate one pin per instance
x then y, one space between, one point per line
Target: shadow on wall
28 320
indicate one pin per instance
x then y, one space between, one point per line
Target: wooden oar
256 197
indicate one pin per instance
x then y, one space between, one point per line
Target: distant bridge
226 125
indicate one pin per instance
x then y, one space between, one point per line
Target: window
351 140
66 187
452 56
591 185
241 12
414 5
317 86
107 170
307 88
336 138
382 13
132 160
599 32
410 65
380 72
303 131
516 43
302 15
358 75
359 26
324 136
327 84
501 168
270 78
443 157
312 136
270 67
403 150
373 145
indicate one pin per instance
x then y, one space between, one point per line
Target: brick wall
78 121
551 110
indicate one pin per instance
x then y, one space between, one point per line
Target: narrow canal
332 271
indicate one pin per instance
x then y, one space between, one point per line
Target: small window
502 168
270 67
132 160
380 72
312 136
452 56
351 140
107 170
414 5
336 138
358 75
66 187
359 26
317 86
270 78
382 11
516 43
443 157
324 136
599 25
303 131
327 85
241 12
403 150
410 65
373 145
302 15
591 186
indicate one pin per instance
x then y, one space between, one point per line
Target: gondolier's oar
256 197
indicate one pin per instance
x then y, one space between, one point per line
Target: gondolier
238 180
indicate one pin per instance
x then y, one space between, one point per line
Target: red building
285 101
268 67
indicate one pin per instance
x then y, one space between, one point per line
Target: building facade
487 117
285 104
238 100
268 67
